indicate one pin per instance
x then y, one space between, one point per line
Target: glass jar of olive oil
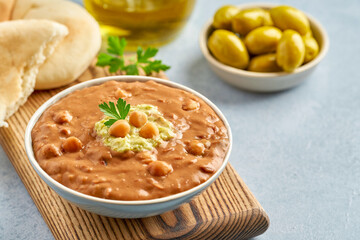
141 22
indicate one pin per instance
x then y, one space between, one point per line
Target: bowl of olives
263 47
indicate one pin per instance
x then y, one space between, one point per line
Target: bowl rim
35 117
272 75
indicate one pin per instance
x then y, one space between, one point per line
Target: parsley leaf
116 45
116 64
115 58
118 112
103 59
144 57
110 122
131 69
123 108
155 66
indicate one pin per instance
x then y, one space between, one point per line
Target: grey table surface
297 150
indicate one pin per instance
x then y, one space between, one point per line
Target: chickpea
72 144
50 151
83 179
107 192
54 168
159 168
68 177
196 147
62 117
65 131
206 143
119 129
49 126
149 130
155 183
190 105
138 119
126 155
146 157
121 93
85 168
207 169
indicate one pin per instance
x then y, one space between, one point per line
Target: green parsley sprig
118 112
115 58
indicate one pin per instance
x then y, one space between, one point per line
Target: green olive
247 20
228 48
267 18
264 63
223 17
286 17
262 40
308 33
311 48
290 51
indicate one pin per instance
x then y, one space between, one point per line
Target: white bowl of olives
263 47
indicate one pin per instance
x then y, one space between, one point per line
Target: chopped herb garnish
115 59
118 112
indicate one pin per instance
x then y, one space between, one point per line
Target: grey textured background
298 150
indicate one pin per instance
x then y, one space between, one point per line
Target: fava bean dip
170 141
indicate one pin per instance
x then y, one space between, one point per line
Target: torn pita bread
74 55
6 7
24 46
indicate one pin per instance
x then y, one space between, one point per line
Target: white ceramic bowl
117 208
264 82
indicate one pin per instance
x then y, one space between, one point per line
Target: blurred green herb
118 112
115 59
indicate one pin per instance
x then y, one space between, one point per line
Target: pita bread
6 7
72 57
24 46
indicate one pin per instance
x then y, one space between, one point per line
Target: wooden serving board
226 210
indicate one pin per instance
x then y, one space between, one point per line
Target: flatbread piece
24 46
73 56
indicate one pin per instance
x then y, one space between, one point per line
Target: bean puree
69 150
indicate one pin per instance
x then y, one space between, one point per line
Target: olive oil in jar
141 22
